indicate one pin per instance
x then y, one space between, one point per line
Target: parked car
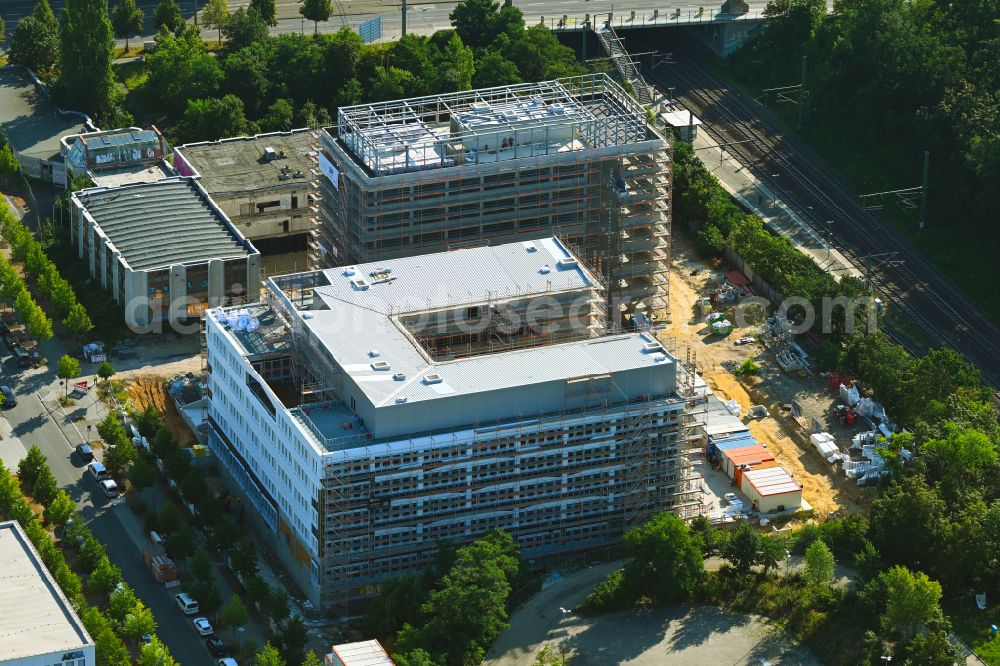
110 488
203 626
146 639
215 646
228 661
186 603
98 471
9 399
729 497
745 340
85 452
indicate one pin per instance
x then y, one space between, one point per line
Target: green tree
182 542
474 21
141 474
912 601
34 44
201 565
120 455
105 370
139 622
9 167
932 649
77 322
312 659
539 55
399 603
69 368
121 603
155 653
46 487
110 650
910 522
169 518
168 15
269 656
280 117
493 69
743 548
666 560
87 44
181 69
59 509
243 28
104 578
773 551
276 605
215 14
316 11
193 486
127 19
548 656
819 564
148 421
234 614
30 468
293 641
415 657
454 65
210 119
243 560
246 75
267 10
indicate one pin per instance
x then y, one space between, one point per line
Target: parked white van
110 488
98 471
186 603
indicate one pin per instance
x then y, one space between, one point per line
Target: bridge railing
646 19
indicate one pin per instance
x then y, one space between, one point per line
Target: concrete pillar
137 300
116 269
216 283
102 264
93 238
177 305
253 278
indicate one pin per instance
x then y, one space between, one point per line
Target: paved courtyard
679 634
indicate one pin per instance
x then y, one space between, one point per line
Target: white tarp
849 396
329 170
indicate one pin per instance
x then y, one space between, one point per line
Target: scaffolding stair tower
627 67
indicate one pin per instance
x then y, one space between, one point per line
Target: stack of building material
825 445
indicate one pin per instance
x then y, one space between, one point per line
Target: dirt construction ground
144 390
823 487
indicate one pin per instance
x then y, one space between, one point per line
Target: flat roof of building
239 164
361 328
35 616
491 124
129 175
171 221
32 123
362 653
772 481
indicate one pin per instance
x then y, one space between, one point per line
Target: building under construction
370 412
575 157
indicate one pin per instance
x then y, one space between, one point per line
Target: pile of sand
145 390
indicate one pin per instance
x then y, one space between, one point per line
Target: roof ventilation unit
270 154
349 271
568 262
380 365
401 399
650 347
374 353
433 379
359 284
529 246
399 376
544 269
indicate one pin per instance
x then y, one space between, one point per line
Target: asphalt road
32 424
424 16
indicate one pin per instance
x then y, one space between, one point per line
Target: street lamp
788 558
562 643
773 195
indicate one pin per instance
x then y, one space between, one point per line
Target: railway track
944 315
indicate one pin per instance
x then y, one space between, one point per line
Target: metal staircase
623 61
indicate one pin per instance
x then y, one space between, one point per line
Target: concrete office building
38 626
576 157
164 250
264 183
117 157
368 412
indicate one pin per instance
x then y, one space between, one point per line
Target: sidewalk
754 195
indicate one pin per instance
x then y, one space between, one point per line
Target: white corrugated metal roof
362 653
445 279
772 481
